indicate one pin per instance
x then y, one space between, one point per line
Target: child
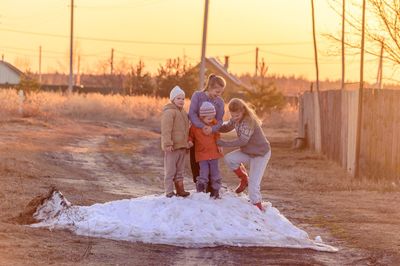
211 93
254 148
207 152
174 142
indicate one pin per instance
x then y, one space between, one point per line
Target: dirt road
94 162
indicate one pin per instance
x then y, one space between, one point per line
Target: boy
206 151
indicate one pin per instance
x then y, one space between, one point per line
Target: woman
212 92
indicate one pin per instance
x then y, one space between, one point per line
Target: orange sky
280 28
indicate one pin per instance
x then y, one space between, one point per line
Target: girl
174 142
254 148
212 92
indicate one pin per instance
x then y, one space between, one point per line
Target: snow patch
195 221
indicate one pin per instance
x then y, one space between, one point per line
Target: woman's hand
220 149
169 148
190 144
207 130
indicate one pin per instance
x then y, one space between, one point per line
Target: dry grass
286 118
49 105
80 106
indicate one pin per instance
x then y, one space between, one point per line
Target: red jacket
205 147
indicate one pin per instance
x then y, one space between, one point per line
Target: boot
259 205
214 194
209 188
180 190
200 187
244 178
170 195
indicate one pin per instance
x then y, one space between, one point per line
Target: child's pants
174 166
257 168
209 172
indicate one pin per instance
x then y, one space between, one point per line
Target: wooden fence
335 134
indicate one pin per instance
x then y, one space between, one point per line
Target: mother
212 93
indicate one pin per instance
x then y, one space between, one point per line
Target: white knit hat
175 92
207 109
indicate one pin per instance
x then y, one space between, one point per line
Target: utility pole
360 96
71 70
317 102
40 64
112 61
343 117
256 62
343 59
315 45
203 47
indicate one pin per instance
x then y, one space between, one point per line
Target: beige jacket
174 127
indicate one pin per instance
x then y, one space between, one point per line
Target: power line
32 50
293 63
141 4
153 42
285 55
241 53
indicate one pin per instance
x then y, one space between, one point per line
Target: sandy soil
94 161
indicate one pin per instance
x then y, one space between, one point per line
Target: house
9 74
234 86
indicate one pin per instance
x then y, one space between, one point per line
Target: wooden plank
317 123
300 124
397 137
343 129
352 126
395 149
367 129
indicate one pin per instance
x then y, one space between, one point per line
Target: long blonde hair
213 80
238 105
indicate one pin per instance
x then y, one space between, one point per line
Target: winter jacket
205 146
174 127
197 99
251 138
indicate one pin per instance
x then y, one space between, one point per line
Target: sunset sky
140 29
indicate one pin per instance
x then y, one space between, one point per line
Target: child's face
208 119
236 116
179 100
215 91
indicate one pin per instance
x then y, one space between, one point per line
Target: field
96 149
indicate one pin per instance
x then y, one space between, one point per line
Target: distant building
234 86
9 74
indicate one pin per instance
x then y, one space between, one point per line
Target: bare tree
384 24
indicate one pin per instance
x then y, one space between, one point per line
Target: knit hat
207 109
175 92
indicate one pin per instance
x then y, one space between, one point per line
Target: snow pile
196 221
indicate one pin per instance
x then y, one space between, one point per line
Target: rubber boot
180 190
259 205
244 178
